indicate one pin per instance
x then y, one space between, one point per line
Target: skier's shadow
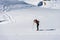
47 29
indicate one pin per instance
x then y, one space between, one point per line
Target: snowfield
19 24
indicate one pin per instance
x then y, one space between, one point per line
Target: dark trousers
37 27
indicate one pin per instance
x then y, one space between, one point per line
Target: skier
37 23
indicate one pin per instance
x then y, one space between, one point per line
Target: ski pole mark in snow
4 17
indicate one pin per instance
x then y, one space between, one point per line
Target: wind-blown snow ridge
8 5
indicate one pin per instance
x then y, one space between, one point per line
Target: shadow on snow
47 29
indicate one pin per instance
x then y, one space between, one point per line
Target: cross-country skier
37 24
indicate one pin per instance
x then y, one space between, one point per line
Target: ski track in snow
21 27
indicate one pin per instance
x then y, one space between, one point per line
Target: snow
33 2
20 24
8 5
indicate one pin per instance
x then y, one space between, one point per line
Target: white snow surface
20 24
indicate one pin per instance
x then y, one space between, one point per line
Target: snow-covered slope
9 5
50 4
21 25
33 2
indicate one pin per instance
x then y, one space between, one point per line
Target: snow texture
17 23
9 5
20 24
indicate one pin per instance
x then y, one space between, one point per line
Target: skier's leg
37 27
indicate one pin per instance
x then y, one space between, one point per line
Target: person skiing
37 23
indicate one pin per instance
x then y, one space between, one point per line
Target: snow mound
9 5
